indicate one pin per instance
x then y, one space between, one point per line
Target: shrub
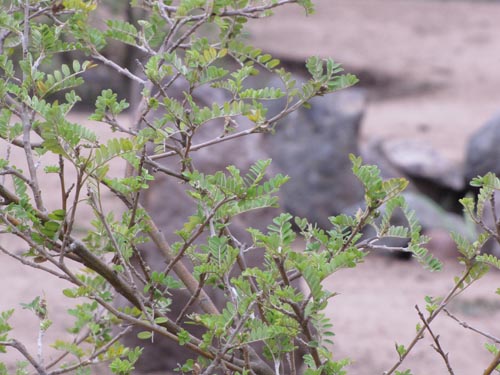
196 45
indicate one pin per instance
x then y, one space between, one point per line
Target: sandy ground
376 309
431 69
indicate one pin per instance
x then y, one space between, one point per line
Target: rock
492 246
428 172
420 160
483 153
312 146
373 153
483 156
431 216
441 244
433 219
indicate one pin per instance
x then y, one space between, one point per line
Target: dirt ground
432 72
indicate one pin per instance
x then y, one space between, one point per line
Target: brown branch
33 182
18 143
299 313
255 129
38 266
437 347
433 315
124 71
84 256
93 356
195 235
244 12
192 300
22 349
180 270
493 365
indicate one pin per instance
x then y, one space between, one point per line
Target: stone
419 159
483 151
442 245
312 146
427 170
431 216
434 220
483 156
492 246
373 153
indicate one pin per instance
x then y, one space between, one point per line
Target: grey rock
312 146
433 219
428 213
492 246
483 156
373 153
419 159
428 172
432 216
483 151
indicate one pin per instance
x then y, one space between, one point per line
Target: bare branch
38 266
93 356
466 325
451 294
437 346
124 71
22 349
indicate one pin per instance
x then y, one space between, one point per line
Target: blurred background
427 107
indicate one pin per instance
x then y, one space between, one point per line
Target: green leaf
69 347
161 320
122 31
70 293
184 337
145 335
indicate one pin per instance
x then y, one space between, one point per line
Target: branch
433 315
22 349
124 71
92 358
180 270
437 347
493 365
158 167
83 255
244 12
466 325
299 313
26 262
220 139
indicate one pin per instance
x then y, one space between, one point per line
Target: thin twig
433 315
93 356
26 118
466 325
220 139
437 347
124 71
97 205
192 300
